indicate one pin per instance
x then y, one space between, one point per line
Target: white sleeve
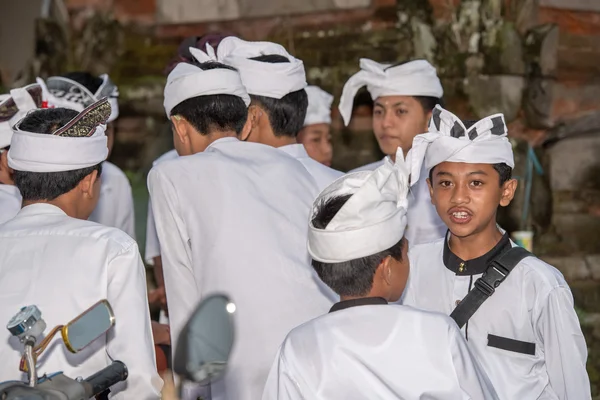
557 327
152 243
130 340
472 379
180 282
281 383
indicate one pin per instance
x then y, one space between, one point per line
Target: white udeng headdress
414 78
63 92
187 81
319 106
81 143
372 220
486 142
15 106
262 78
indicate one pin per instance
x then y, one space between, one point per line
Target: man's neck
280 141
475 245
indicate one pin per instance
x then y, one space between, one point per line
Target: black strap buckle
484 287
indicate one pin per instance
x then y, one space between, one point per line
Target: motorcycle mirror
205 341
88 326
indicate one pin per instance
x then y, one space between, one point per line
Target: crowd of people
392 281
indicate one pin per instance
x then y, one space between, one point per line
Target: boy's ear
181 128
508 192
430 191
247 129
87 184
255 113
385 268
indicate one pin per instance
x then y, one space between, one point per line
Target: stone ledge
577 268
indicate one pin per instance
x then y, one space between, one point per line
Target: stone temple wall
533 60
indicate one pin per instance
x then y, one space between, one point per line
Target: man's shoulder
169 155
426 249
541 274
94 233
324 169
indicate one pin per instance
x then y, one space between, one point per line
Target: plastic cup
523 239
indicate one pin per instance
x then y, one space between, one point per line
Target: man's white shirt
10 202
322 174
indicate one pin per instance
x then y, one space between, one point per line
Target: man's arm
281 383
130 340
180 282
565 352
472 379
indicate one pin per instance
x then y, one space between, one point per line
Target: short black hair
49 185
287 114
354 277
502 169
89 81
217 112
428 103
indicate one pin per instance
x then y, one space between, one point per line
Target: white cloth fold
263 78
372 220
486 142
37 152
187 81
24 102
319 106
414 78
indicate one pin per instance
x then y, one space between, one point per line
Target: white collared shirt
64 265
322 174
424 224
10 202
526 336
115 205
385 352
233 219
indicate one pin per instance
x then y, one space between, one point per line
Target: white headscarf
81 143
187 81
262 78
414 78
63 92
319 106
15 106
371 221
486 142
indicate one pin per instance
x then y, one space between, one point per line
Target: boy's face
396 122
467 196
5 172
317 142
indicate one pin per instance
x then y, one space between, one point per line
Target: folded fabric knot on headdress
413 78
15 106
187 81
80 143
319 106
372 220
486 142
263 78
63 92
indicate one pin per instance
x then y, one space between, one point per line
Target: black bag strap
484 287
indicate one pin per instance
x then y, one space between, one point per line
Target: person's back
378 352
54 258
248 240
231 217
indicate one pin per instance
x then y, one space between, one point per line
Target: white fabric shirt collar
414 78
295 150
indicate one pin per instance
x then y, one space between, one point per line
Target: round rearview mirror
205 341
88 326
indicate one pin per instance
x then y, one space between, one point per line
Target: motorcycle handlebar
105 378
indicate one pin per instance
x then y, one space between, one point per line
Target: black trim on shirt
477 265
365 301
517 346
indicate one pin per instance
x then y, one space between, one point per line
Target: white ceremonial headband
486 142
84 146
414 78
372 220
14 106
187 81
319 106
63 92
273 80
